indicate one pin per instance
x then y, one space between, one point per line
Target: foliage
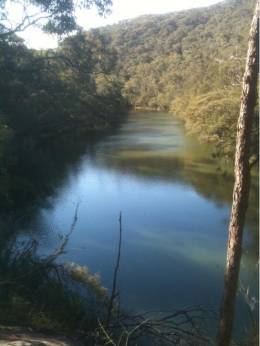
55 16
44 94
40 292
82 274
46 295
53 91
195 58
37 292
211 116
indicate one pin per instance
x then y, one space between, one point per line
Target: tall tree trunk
241 185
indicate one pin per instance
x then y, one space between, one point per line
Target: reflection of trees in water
81 303
203 175
33 172
37 283
37 172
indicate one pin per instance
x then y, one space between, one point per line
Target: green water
175 202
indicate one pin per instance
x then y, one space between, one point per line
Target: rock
19 336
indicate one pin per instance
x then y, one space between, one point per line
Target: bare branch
26 22
61 248
114 293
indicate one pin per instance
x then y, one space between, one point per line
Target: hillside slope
190 63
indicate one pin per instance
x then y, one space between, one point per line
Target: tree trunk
241 185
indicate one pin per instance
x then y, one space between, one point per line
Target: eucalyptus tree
242 182
54 16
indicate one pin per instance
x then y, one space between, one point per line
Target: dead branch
47 262
26 22
61 248
171 329
114 287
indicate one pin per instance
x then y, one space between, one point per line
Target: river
175 203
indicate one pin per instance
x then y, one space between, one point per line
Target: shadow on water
148 146
34 172
158 175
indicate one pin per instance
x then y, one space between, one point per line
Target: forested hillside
189 63
51 91
67 170
44 94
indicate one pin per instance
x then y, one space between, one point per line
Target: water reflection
175 201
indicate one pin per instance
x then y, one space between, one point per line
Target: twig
113 293
61 249
109 340
26 22
46 262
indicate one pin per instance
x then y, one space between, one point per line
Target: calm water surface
175 203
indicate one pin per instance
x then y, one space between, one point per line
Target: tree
56 16
242 183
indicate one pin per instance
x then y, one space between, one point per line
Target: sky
122 9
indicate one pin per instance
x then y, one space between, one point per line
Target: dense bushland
44 94
189 63
53 91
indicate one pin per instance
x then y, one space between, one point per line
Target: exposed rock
18 336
